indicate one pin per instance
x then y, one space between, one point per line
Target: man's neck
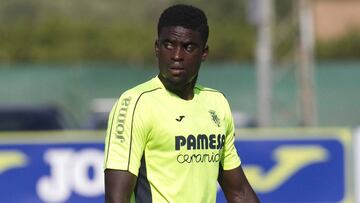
185 92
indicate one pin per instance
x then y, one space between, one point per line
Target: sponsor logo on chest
195 149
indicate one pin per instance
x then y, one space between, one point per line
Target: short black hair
185 16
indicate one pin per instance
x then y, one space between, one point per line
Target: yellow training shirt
173 146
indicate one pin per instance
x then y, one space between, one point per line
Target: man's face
180 52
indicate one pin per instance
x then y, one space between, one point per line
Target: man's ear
156 46
205 53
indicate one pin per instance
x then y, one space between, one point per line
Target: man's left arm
231 175
236 187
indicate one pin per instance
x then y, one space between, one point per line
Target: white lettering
82 183
69 172
56 188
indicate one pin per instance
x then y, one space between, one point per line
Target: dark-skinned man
170 139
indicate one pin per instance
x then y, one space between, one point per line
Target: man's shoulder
208 90
148 86
212 94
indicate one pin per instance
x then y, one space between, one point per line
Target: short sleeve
230 156
126 134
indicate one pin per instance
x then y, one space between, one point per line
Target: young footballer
171 139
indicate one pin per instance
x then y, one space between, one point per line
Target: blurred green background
69 52
124 31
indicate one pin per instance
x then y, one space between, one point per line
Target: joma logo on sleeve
121 117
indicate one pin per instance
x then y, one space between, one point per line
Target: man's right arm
124 146
119 186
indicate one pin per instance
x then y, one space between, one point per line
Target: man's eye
168 45
189 48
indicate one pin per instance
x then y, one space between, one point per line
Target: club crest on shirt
214 117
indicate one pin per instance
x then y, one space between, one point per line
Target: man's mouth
176 70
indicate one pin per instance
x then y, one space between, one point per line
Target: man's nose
177 54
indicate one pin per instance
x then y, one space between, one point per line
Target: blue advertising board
44 169
296 165
282 166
